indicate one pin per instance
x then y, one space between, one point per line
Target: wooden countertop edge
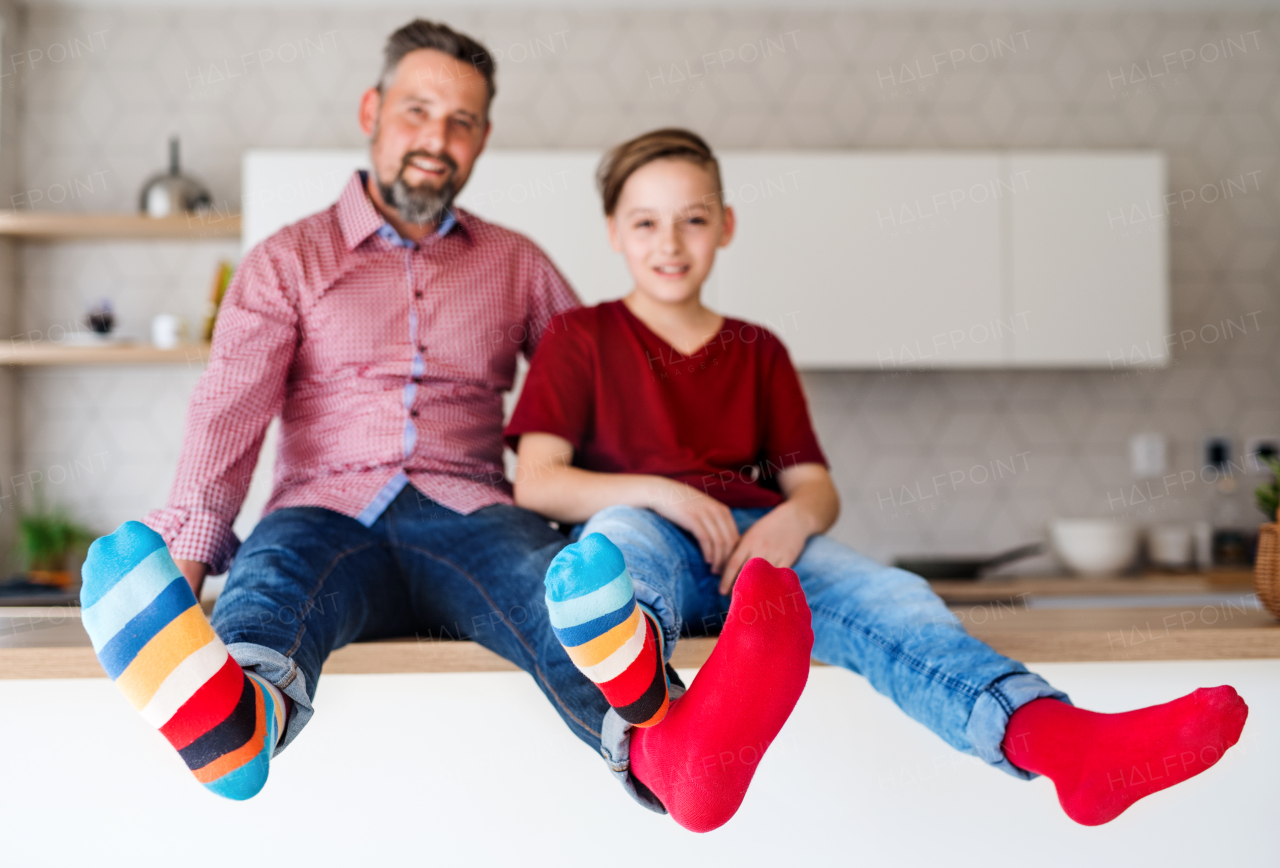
1086 646
413 656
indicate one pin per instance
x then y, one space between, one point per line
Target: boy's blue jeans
310 580
881 622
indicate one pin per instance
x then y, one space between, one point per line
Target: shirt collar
358 219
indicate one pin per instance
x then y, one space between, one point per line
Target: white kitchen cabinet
1088 259
951 260
857 259
881 260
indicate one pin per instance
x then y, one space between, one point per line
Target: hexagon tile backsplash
1015 448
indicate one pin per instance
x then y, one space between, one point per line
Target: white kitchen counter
435 751
476 769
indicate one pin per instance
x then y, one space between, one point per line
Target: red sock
1103 763
699 760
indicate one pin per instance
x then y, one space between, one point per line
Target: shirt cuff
196 535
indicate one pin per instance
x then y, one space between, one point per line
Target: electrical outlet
1258 449
1217 452
1147 455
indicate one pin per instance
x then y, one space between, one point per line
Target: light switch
1146 455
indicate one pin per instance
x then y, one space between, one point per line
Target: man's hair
420 33
666 144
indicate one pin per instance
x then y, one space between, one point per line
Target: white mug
1202 531
1170 545
167 331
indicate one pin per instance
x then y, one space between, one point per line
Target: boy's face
668 223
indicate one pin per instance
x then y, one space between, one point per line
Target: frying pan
965 568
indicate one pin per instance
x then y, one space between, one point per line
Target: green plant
1269 495
46 537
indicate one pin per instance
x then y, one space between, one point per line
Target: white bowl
1094 546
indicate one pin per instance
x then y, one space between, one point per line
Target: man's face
426 130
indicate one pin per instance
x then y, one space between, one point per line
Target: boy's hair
670 143
420 33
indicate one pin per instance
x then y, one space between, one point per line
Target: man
367 328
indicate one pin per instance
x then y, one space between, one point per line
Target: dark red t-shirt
724 420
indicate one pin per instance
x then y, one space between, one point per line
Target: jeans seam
895 651
1000 696
532 655
302 624
293 674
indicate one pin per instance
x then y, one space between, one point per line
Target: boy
679 444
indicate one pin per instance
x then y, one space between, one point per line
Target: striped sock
596 618
155 643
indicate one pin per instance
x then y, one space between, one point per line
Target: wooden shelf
59 225
34 353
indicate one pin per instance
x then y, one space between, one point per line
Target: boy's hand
779 538
709 520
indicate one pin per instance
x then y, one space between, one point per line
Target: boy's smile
671 272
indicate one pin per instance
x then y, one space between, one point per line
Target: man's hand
194 572
709 520
779 538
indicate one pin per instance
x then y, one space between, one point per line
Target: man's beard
420 205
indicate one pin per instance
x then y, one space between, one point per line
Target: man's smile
417 168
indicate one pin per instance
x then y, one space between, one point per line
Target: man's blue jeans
884 623
310 580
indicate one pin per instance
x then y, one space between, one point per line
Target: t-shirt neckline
676 351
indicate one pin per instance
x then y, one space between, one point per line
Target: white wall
610 77
476 769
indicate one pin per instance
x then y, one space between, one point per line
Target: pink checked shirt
385 360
